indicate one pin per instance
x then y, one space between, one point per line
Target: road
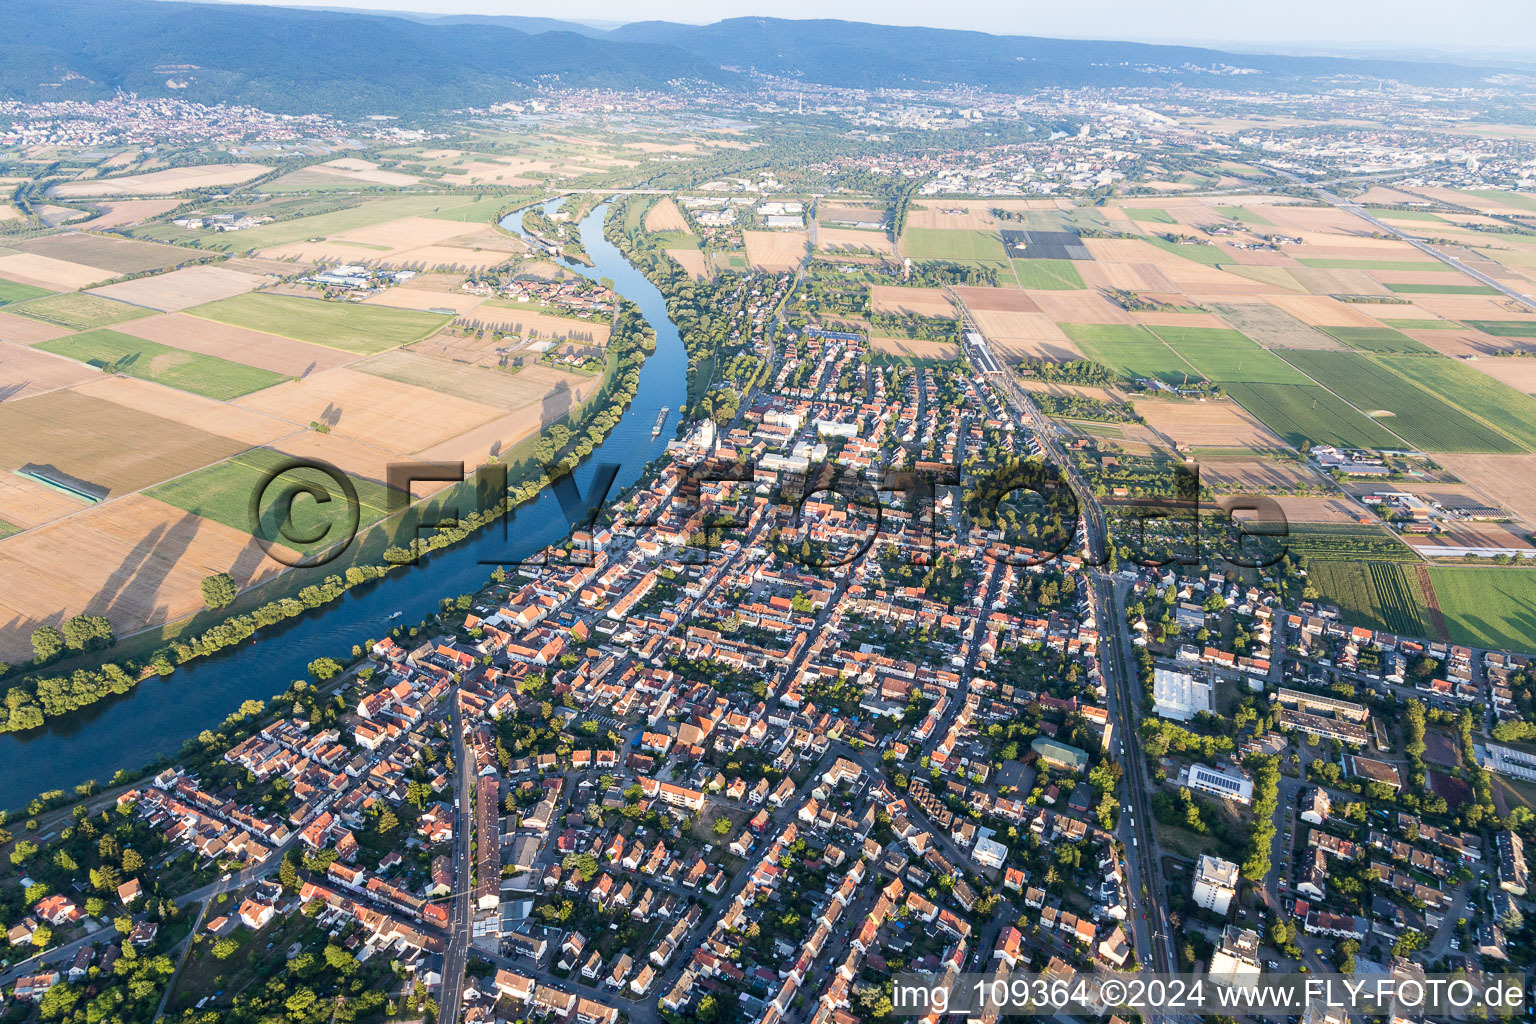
456 954
1152 931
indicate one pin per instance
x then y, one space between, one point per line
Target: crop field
1422 325
1440 289
517 318
854 240
665 216
1377 339
1150 215
126 213
1480 395
1488 606
1333 263
48 273
1272 326
1130 350
1204 424
181 289
253 348
11 292
28 332
27 371
324 225
108 253
1048 275
149 360
162 183
1505 328
348 326
691 260
1307 412
776 250
916 301
1226 356
1210 255
470 383
82 436
1243 215
906 352
79 312
1416 416
966 246
1379 595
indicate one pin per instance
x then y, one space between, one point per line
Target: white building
1229 785
1215 883
1179 695
989 853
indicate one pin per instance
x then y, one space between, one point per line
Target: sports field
349 326
1048 275
149 360
79 312
1377 339
1418 417
1131 350
1487 606
966 246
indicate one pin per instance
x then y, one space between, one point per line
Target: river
159 715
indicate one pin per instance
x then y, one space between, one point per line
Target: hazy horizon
1336 25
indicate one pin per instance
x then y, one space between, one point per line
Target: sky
1490 26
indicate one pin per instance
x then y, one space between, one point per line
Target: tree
47 643
88 633
325 669
288 874
722 826
219 590
339 959
225 948
133 861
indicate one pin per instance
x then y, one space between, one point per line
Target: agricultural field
1150 215
1210 255
1487 606
1204 424
348 326
1130 350
1377 339
1303 413
78 311
199 374
11 292
1409 288
665 216
106 252
28 371
181 289
960 246
162 183
1505 328
469 383
913 301
1047 275
1378 595
48 273
253 348
1413 413
776 250
1478 393
1225 356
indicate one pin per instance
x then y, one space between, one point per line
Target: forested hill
295 61
300 61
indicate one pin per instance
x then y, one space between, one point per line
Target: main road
456 955
1151 929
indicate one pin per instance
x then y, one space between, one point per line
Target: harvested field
25 372
518 319
1085 307
108 253
1205 424
1046 387
401 297
1338 511
162 183
1272 327
918 351
136 561
1519 374
262 267
181 289
949 215
854 240
1004 327
1322 311
352 327
441 257
46 272
914 301
1013 350
1474 535
504 432
1003 300
691 260
776 250
28 332
402 418
82 436
404 233
472 383
25 503
665 216
1256 474
78 311
253 348
355 170
127 213
173 367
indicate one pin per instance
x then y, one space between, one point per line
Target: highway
1151 929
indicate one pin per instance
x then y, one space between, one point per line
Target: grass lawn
1441 289
1151 216
1048 275
676 239
1376 339
10 292
961 246
209 376
1488 606
223 493
1210 255
349 326
1130 350
79 311
1320 263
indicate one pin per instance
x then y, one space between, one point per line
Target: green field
1521 200
1379 595
676 239
1151 216
964 246
1505 328
1441 289
349 326
1488 606
1307 412
481 211
1422 325
1482 397
11 292
1418 417
1048 275
8 529
224 492
1244 215
1349 542
298 229
1319 263
1130 350
79 311
1416 215
1226 356
149 360
1376 339
1210 255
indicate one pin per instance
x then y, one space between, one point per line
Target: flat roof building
1179 695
